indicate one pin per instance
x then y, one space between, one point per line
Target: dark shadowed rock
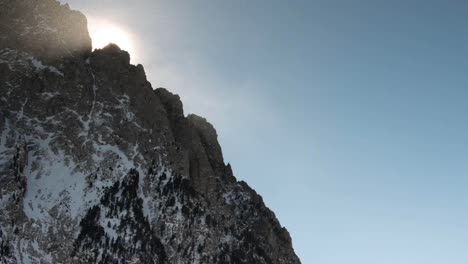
209 140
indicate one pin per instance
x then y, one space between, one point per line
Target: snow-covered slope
97 167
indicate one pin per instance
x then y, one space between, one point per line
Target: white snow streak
39 66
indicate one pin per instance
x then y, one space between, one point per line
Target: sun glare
104 32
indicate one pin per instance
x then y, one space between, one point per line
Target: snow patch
235 197
5 199
48 96
39 66
52 178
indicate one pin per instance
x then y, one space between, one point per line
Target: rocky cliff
98 167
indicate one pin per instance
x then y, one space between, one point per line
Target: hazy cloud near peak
183 69
204 94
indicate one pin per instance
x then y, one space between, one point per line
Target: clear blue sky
349 117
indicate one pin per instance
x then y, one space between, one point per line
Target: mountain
98 167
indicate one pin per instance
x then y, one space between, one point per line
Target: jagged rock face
46 29
97 167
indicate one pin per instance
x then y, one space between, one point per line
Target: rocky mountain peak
97 167
46 29
112 53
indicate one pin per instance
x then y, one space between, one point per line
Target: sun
104 32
